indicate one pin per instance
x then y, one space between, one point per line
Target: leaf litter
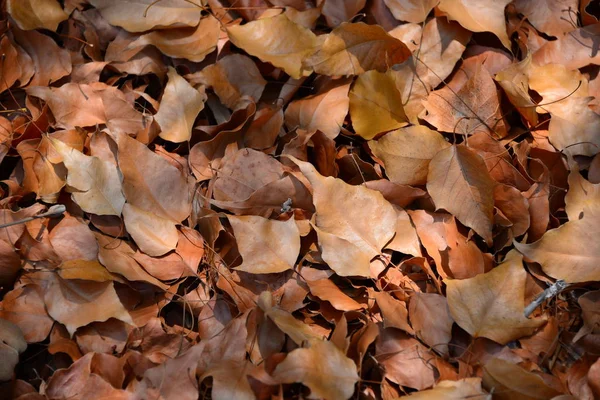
299 199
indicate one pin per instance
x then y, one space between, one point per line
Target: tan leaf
353 223
193 44
475 107
548 16
266 246
234 78
76 303
479 16
338 11
95 184
151 183
324 111
515 382
153 234
276 40
72 239
354 48
566 252
25 308
36 14
394 312
376 104
144 15
179 108
572 49
415 11
431 320
13 73
590 313
491 305
406 240
12 343
326 290
10 264
581 195
322 367
463 389
406 153
458 181
515 82
89 270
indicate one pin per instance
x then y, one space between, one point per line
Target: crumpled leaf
36 14
479 16
566 252
95 183
515 82
491 305
179 108
266 246
277 40
376 104
193 44
406 153
322 367
354 48
459 182
144 15
353 223
514 382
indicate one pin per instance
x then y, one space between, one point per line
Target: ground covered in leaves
299 199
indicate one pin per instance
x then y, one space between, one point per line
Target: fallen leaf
491 305
322 367
95 184
479 16
12 344
415 11
144 15
153 234
581 195
572 48
266 246
355 48
36 14
456 390
513 381
324 111
458 181
193 44
590 313
376 104
179 108
515 82
284 49
345 219
25 308
338 11
406 153
431 320
326 290
394 312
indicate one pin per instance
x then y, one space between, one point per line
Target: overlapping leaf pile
286 199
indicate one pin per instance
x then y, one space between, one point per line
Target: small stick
552 291
55 211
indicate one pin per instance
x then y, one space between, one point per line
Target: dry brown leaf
153 234
355 48
581 195
151 183
266 246
475 107
458 181
25 308
376 104
76 303
179 108
479 16
12 343
322 367
572 49
338 11
394 312
453 390
72 239
324 111
406 240
566 252
406 153
431 320
515 82
514 382
234 78
353 223
144 15
36 14
276 40
95 184
193 44
89 270
491 305
590 313
415 11
326 290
